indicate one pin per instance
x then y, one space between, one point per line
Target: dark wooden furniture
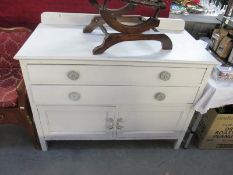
116 20
14 104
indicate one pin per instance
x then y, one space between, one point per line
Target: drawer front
111 95
79 121
114 75
148 121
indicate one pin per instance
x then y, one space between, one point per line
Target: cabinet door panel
151 122
76 122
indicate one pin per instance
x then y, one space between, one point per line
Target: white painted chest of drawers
132 91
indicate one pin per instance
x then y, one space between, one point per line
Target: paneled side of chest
88 100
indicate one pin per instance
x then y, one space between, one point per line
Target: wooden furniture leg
112 39
26 118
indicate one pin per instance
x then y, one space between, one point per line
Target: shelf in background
200 18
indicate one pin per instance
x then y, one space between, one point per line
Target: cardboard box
217 37
215 131
224 48
230 58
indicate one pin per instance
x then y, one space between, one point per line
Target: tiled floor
18 157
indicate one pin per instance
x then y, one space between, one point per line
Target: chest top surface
68 42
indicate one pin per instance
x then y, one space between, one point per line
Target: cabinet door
148 122
77 122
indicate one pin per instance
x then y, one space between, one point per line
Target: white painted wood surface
149 121
60 42
88 121
121 83
114 75
110 95
82 19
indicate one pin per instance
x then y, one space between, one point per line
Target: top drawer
114 75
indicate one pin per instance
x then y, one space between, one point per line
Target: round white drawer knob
74 96
73 75
160 96
165 76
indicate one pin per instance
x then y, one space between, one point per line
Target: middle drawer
111 95
115 75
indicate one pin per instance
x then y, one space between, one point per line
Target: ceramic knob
73 75
74 96
165 76
160 96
